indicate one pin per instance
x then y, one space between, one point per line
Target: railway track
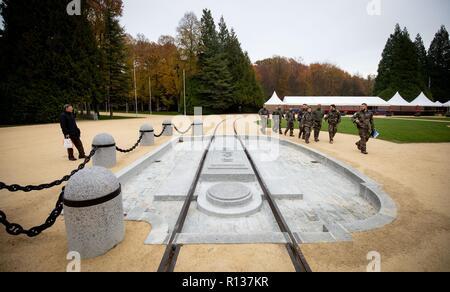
292 245
172 251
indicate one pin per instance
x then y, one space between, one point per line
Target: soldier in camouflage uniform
318 118
302 111
277 116
290 118
364 121
264 115
307 122
334 119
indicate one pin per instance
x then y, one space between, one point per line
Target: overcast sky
337 31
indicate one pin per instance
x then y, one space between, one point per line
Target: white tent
447 104
398 100
274 100
423 101
336 100
439 104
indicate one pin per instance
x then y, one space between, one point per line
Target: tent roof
423 101
337 100
274 100
447 104
438 103
398 100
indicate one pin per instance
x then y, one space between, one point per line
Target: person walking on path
308 123
71 131
317 125
364 122
290 118
334 119
277 116
264 115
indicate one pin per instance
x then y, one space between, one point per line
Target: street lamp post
184 91
135 87
150 93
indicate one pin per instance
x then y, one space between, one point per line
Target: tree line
407 67
290 77
49 58
219 74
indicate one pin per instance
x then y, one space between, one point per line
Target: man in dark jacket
71 131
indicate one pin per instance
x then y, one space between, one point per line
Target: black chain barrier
16 229
30 188
183 132
162 132
132 148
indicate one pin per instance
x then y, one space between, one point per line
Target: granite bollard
93 212
198 128
148 138
168 128
105 156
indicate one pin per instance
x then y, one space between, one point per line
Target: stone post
148 138
197 128
168 131
93 212
106 151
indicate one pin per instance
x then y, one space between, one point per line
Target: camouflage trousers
364 138
302 132
263 125
317 129
290 128
307 134
276 127
332 130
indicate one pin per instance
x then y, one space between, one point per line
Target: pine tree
116 73
439 65
247 92
399 68
48 59
214 92
383 80
423 61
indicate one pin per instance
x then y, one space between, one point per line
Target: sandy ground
414 175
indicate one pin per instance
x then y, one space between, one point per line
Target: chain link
132 148
30 188
162 132
16 229
185 132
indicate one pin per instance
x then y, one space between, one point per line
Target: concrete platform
322 200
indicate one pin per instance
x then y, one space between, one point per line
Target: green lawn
399 131
435 119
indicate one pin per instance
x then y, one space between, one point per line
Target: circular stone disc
229 191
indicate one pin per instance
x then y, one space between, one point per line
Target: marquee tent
336 100
423 101
274 100
398 100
